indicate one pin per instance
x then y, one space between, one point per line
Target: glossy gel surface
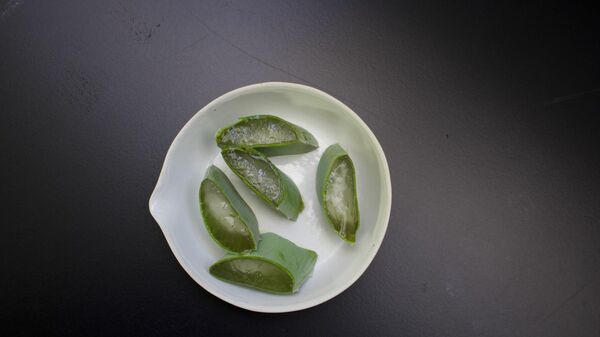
277 266
265 180
336 190
271 135
227 217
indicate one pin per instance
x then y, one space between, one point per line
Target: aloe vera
276 266
268 134
336 190
265 179
227 217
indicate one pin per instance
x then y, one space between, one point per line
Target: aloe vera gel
277 266
227 217
336 190
267 261
265 179
268 134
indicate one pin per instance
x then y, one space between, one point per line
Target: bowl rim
383 212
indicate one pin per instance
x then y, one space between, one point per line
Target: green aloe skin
227 217
336 190
268 134
276 266
265 179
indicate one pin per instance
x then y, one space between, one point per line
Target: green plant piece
227 217
336 190
268 134
276 266
265 179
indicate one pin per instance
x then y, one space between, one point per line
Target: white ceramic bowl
174 202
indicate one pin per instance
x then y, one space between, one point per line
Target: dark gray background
488 114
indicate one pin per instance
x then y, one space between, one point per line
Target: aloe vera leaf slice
227 218
277 266
336 190
271 135
265 180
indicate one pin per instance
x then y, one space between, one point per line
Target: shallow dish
174 201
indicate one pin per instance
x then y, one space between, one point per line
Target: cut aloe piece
336 190
227 217
265 179
268 134
277 266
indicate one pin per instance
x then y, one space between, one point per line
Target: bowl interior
174 202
